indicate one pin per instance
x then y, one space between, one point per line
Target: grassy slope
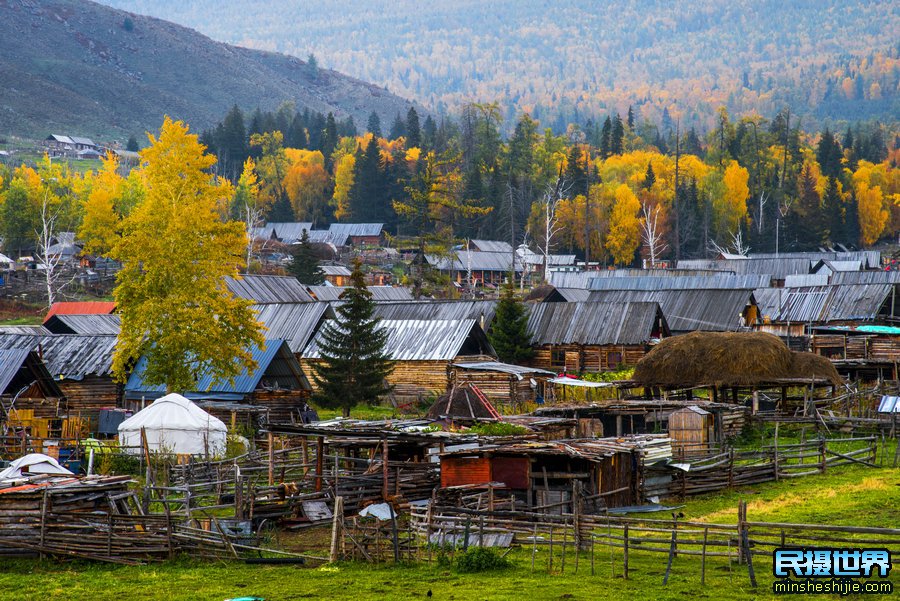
83 73
849 495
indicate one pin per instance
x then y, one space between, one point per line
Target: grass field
847 495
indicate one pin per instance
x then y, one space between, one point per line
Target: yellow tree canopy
101 223
730 204
624 226
344 171
872 216
176 251
306 184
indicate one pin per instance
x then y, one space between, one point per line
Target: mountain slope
571 59
73 66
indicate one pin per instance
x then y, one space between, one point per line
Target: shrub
480 559
498 429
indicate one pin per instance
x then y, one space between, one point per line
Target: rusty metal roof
80 308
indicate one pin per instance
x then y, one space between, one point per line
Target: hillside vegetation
567 60
76 67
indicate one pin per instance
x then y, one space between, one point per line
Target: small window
558 359
613 360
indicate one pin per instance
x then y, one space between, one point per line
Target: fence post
703 557
337 529
625 542
822 462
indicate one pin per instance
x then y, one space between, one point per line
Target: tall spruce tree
304 264
374 124
413 131
354 364
509 332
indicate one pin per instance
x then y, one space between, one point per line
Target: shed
541 476
505 385
336 275
95 324
80 308
173 424
691 430
25 384
356 234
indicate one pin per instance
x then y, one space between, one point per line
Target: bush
480 559
498 429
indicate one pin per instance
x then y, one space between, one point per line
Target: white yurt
174 424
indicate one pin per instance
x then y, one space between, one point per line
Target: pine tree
413 131
398 128
374 124
617 136
630 118
605 138
509 331
132 145
649 177
304 264
576 174
329 139
354 364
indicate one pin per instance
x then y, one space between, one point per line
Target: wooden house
478 268
277 386
26 385
593 337
541 476
357 234
336 275
81 366
424 352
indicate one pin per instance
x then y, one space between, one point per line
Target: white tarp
566 381
33 463
175 425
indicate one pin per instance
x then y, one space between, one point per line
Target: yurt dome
174 424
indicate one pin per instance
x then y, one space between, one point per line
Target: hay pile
727 359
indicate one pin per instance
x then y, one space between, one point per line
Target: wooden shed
505 385
545 476
691 429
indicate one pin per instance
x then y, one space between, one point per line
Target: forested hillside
567 60
76 67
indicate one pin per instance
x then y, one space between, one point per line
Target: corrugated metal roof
491 246
80 308
69 356
245 383
571 279
714 282
838 266
776 268
662 273
804 279
463 260
10 363
866 277
84 324
342 232
688 310
287 232
294 322
265 289
26 330
335 270
592 323
870 259
379 293
822 304
575 295
506 368
481 311
421 340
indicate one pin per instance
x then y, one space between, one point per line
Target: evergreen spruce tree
304 264
413 131
649 177
605 138
509 331
617 137
398 128
329 139
374 124
132 145
576 174
353 364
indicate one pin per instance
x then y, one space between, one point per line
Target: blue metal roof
207 387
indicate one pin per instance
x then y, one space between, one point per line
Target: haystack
460 402
726 359
811 365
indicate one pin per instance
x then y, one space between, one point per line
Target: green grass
364 411
33 320
845 495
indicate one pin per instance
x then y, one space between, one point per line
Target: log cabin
424 351
593 337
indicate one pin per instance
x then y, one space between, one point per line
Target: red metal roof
83 308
